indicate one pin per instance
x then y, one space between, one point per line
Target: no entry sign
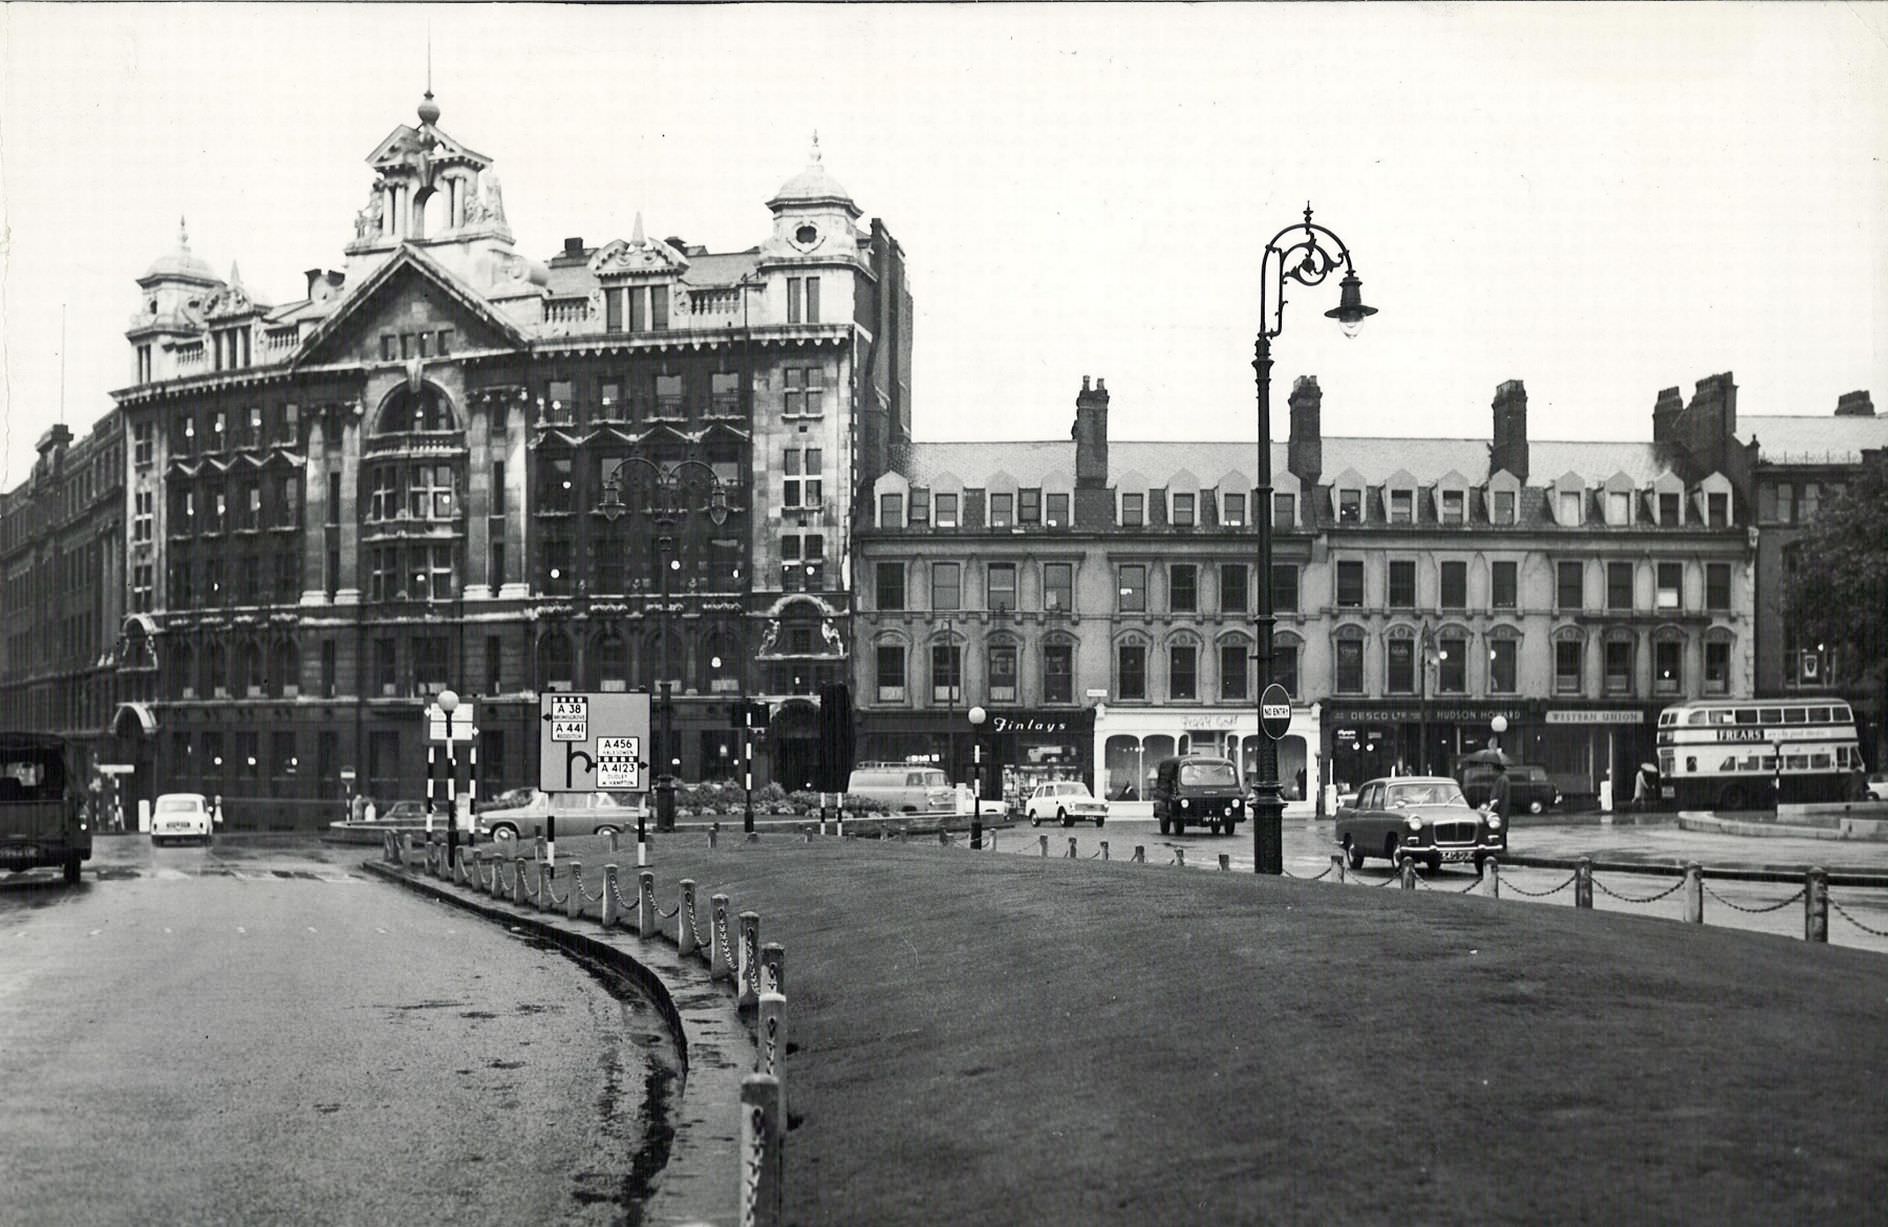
1275 711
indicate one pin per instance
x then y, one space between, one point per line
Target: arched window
890 660
406 411
607 665
665 659
184 682
1347 660
216 672
1183 667
1058 668
286 676
1003 669
249 679
556 669
1130 668
1399 660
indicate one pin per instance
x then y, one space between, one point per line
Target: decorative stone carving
368 222
769 637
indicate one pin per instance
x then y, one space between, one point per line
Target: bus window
1820 760
1729 763
1746 715
1843 714
1667 717
1819 715
1770 715
1796 715
1795 762
1753 763
1699 717
1691 765
1721 716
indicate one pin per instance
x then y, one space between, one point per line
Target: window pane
1401 664
1058 579
1619 585
891 585
1350 584
1454 578
1502 585
1285 587
1234 588
1350 666
1182 679
1133 588
1233 669
1402 583
946 578
1058 511
1002 585
1131 682
1131 513
1183 587
1183 512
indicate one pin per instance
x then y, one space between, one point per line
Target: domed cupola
813 218
180 264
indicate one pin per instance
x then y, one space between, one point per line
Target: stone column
513 582
348 590
315 511
478 498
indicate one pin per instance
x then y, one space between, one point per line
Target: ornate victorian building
1098 597
453 465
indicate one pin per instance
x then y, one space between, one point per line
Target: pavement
1006 1039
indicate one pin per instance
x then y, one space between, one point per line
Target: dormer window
1232 510
1350 506
1133 513
946 509
1183 510
1717 509
1670 503
1619 507
1002 510
1570 508
891 514
1402 506
1501 509
1454 508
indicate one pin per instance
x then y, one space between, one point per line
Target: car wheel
1535 807
72 871
1062 816
1353 855
1433 865
1035 819
1389 850
1099 821
503 833
609 828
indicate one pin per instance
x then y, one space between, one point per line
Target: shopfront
1021 748
1130 741
1579 744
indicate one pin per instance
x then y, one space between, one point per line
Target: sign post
594 743
1268 835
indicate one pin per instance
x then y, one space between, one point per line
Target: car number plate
1457 854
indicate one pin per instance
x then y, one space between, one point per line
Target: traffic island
1021 1039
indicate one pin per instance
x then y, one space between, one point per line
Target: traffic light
835 737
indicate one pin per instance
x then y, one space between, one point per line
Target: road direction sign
1275 711
458 729
593 742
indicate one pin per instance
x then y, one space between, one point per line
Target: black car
1530 789
1197 788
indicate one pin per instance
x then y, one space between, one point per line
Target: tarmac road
257 1033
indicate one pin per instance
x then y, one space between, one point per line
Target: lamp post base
1268 831
665 804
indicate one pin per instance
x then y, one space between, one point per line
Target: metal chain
1507 885
596 898
1387 881
1738 907
550 888
1472 885
1095 855
1852 920
1674 888
671 914
1311 878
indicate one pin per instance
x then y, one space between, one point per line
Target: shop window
1058 673
1502 661
1567 666
1183 587
1130 681
890 660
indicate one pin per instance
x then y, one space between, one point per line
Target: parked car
1878 786
1066 801
1198 788
181 815
1530 789
903 788
577 813
1419 816
413 814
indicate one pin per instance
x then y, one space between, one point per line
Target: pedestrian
369 813
1500 801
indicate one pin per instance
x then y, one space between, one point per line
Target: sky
1601 201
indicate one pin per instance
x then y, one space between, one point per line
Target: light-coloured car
1065 801
1425 818
1878 786
577 813
181 815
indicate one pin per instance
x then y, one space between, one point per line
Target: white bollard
718 966
773 968
573 903
646 902
687 941
763 1128
611 916
747 962
770 1055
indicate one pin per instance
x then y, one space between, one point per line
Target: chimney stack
1510 441
1091 435
1304 455
1855 405
1665 413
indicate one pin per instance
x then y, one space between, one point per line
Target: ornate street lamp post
668 506
1306 253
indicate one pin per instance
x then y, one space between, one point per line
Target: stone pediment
407 144
230 302
621 258
381 303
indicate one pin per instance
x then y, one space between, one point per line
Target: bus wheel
1732 797
72 871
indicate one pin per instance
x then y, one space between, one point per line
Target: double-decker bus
1754 753
40 820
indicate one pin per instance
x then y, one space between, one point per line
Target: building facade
451 465
1097 598
1799 463
62 585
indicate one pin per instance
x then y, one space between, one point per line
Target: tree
1837 593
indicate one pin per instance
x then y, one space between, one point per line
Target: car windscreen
32 774
179 805
1425 794
1208 775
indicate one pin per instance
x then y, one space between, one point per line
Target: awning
147 719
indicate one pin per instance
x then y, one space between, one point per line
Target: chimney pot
1084 383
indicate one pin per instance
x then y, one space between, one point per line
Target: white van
902 788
